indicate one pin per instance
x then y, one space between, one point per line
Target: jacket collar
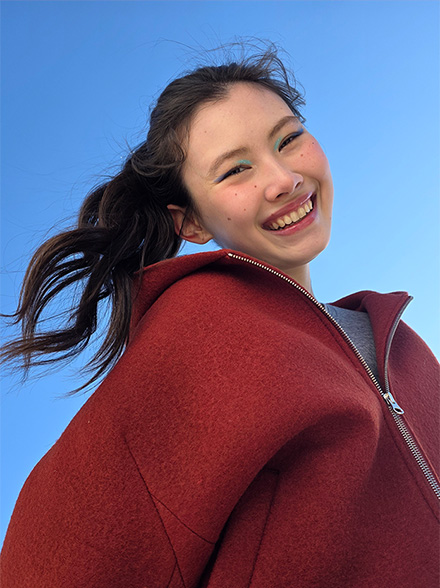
384 311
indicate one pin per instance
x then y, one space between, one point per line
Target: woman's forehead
247 110
238 99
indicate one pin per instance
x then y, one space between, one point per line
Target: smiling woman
248 434
276 205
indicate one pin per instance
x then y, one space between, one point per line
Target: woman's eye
290 138
233 172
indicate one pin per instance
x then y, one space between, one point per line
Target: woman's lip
299 225
297 203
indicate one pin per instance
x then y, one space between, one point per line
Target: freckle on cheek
255 186
229 218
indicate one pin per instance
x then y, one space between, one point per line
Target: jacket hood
153 280
383 309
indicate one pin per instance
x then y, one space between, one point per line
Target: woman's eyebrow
213 170
280 124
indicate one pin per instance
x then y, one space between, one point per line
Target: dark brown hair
124 224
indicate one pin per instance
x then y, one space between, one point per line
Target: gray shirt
358 327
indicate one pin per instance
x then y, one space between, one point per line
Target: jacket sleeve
85 518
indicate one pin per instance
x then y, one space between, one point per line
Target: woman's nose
280 180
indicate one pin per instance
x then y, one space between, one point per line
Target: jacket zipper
390 401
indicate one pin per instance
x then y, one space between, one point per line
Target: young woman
249 435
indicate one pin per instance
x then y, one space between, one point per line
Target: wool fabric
240 442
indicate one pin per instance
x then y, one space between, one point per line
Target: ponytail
121 228
125 225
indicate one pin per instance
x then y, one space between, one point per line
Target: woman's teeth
292 217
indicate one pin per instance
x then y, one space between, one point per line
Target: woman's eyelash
233 172
289 139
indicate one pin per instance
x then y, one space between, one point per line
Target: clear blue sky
77 82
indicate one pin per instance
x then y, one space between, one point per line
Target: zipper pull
389 399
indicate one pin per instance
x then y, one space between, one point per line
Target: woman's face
260 181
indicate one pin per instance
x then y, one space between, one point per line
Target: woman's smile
292 215
260 182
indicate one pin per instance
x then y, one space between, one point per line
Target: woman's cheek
315 157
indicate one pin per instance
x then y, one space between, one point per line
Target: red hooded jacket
241 442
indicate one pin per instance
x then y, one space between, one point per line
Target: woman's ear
188 227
